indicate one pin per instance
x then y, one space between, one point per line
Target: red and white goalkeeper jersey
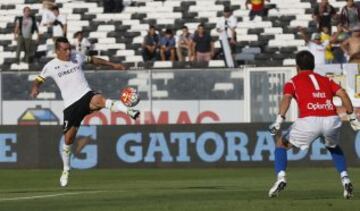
314 93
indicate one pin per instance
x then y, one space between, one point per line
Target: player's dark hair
305 60
184 27
60 40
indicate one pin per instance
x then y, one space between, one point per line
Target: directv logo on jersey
317 106
66 72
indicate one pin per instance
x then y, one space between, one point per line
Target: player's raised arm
36 86
102 62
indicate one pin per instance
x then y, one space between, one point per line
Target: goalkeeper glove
354 122
274 128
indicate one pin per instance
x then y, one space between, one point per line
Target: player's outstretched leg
98 102
340 164
280 168
116 106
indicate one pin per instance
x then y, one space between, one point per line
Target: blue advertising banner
206 145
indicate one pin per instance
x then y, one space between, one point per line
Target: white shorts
305 130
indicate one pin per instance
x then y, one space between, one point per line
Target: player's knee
97 102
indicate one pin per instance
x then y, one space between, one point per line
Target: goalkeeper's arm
346 102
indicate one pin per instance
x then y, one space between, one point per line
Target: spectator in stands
226 26
325 36
315 46
203 46
47 15
150 45
339 37
323 13
167 46
59 25
350 15
184 45
257 8
81 44
351 46
25 26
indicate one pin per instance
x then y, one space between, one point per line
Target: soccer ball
129 96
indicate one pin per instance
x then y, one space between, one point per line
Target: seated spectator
351 46
59 25
323 13
167 46
257 8
184 45
150 45
81 44
25 26
315 46
203 46
350 15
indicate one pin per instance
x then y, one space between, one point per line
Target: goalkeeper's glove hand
274 128
354 122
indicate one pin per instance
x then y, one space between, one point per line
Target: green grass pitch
175 189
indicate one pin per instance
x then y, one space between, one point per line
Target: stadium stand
172 85
268 41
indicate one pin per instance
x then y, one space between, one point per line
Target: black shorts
75 113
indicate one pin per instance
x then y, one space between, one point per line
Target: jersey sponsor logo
319 95
318 106
69 71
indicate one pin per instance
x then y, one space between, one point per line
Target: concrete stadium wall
165 146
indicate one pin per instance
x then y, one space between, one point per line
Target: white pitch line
49 196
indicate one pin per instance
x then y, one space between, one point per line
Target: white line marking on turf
49 196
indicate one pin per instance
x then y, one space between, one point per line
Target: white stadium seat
223 87
216 63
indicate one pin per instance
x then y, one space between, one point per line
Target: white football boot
64 179
279 185
348 187
134 114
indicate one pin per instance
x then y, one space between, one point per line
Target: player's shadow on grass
56 190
